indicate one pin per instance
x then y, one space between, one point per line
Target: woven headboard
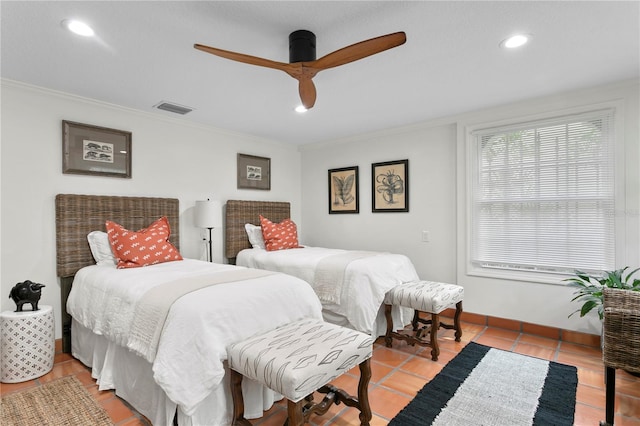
240 212
77 215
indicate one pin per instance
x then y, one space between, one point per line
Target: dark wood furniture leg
363 393
610 385
238 401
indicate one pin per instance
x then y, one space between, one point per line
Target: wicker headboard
240 212
77 215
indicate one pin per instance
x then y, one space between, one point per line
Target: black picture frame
254 172
343 190
94 150
390 186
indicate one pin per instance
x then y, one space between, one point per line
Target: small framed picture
254 172
93 150
343 190
390 186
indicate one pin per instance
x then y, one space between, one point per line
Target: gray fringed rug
490 387
59 402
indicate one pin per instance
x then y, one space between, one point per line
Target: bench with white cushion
299 358
425 297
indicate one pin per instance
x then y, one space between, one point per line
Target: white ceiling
451 62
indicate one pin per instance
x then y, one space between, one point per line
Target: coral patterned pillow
145 247
279 236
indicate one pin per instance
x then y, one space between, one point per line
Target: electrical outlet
425 236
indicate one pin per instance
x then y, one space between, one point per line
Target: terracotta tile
7 388
594 397
591 377
422 367
581 349
578 360
627 406
587 415
389 356
348 383
405 383
627 386
538 340
580 338
502 334
626 421
535 351
386 403
541 330
116 409
379 371
504 323
495 342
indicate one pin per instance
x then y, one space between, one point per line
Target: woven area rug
60 402
490 387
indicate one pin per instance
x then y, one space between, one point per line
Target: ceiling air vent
175 108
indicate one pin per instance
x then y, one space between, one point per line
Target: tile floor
398 373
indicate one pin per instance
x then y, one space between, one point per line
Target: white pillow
254 232
101 248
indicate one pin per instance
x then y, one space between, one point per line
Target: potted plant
590 288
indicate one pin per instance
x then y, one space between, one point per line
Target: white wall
171 158
436 188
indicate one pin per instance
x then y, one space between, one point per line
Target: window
543 195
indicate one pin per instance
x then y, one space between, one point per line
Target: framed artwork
343 190
93 150
390 186
254 172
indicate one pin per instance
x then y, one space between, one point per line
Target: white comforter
189 361
366 280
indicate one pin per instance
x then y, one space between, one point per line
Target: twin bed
350 284
181 374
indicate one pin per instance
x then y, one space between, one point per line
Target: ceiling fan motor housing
302 46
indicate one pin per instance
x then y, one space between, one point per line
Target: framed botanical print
343 190
390 186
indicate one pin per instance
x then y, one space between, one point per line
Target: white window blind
543 195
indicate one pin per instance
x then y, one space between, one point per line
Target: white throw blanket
152 310
329 274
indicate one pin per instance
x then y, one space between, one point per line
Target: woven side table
28 344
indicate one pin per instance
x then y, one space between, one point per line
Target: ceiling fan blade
307 91
358 51
247 59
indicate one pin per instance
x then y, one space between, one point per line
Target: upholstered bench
428 297
299 358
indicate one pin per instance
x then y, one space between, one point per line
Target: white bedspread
189 361
366 280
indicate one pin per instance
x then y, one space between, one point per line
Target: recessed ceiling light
78 27
515 41
301 109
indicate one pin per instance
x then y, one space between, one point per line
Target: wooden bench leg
435 325
238 401
363 393
387 314
456 321
294 413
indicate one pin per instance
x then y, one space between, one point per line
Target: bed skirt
115 367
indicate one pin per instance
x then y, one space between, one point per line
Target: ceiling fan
303 65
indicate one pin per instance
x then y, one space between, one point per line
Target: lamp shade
208 214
